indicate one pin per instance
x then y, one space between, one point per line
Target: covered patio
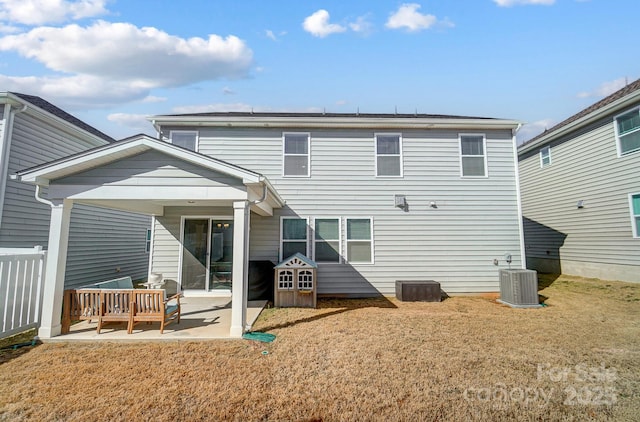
146 175
202 318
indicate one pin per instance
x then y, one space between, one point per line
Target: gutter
523 255
5 149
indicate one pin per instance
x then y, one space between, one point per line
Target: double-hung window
359 240
293 236
148 241
388 155
635 213
184 138
326 240
296 157
545 156
627 128
473 156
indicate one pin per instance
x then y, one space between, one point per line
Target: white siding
93 255
596 240
476 220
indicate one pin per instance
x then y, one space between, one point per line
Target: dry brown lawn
467 358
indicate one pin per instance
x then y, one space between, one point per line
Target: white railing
21 278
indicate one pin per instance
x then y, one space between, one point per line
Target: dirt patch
466 358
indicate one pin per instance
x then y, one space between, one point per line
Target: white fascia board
144 193
336 122
7 97
613 107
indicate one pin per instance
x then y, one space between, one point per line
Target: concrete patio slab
202 318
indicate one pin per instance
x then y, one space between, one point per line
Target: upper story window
545 156
293 236
473 157
389 155
635 213
327 240
628 131
296 157
184 138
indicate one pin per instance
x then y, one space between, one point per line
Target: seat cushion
170 309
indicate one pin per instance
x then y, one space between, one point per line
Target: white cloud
362 25
138 122
8 29
530 130
153 99
151 58
408 17
80 91
39 12
228 91
605 89
269 33
318 24
509 3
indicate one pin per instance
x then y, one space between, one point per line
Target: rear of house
371 198
103 242
580 185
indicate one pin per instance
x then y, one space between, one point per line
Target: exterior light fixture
433 204
580 204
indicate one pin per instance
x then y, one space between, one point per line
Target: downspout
265 193
5 151
523 256
41 199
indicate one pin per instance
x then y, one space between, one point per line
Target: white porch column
56 265
240 272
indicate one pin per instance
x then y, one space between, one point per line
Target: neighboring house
371 198
102 242
580 183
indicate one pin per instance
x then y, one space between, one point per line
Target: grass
467 358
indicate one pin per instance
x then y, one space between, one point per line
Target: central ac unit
519 288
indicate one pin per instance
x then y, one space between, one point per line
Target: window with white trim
285 280
635 213
627 128
293 236
388 155
148 241
296 157
187 139
305 280
473 157
545 156
326 240
359 241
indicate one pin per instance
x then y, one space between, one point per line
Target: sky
112 63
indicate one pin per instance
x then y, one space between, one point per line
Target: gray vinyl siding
585 166
476 220
151 168
100 241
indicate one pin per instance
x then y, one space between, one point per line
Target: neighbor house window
293 236
148 245
388 155
628 131
184 138
473 157
635 213
359 240
545 156
326 240
296 160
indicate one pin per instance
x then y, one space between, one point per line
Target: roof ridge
622 92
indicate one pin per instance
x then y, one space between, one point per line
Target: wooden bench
151 306
79 305
116 306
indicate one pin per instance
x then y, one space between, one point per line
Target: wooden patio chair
115 306
79 305
151 306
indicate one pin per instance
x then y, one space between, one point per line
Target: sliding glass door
207 254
